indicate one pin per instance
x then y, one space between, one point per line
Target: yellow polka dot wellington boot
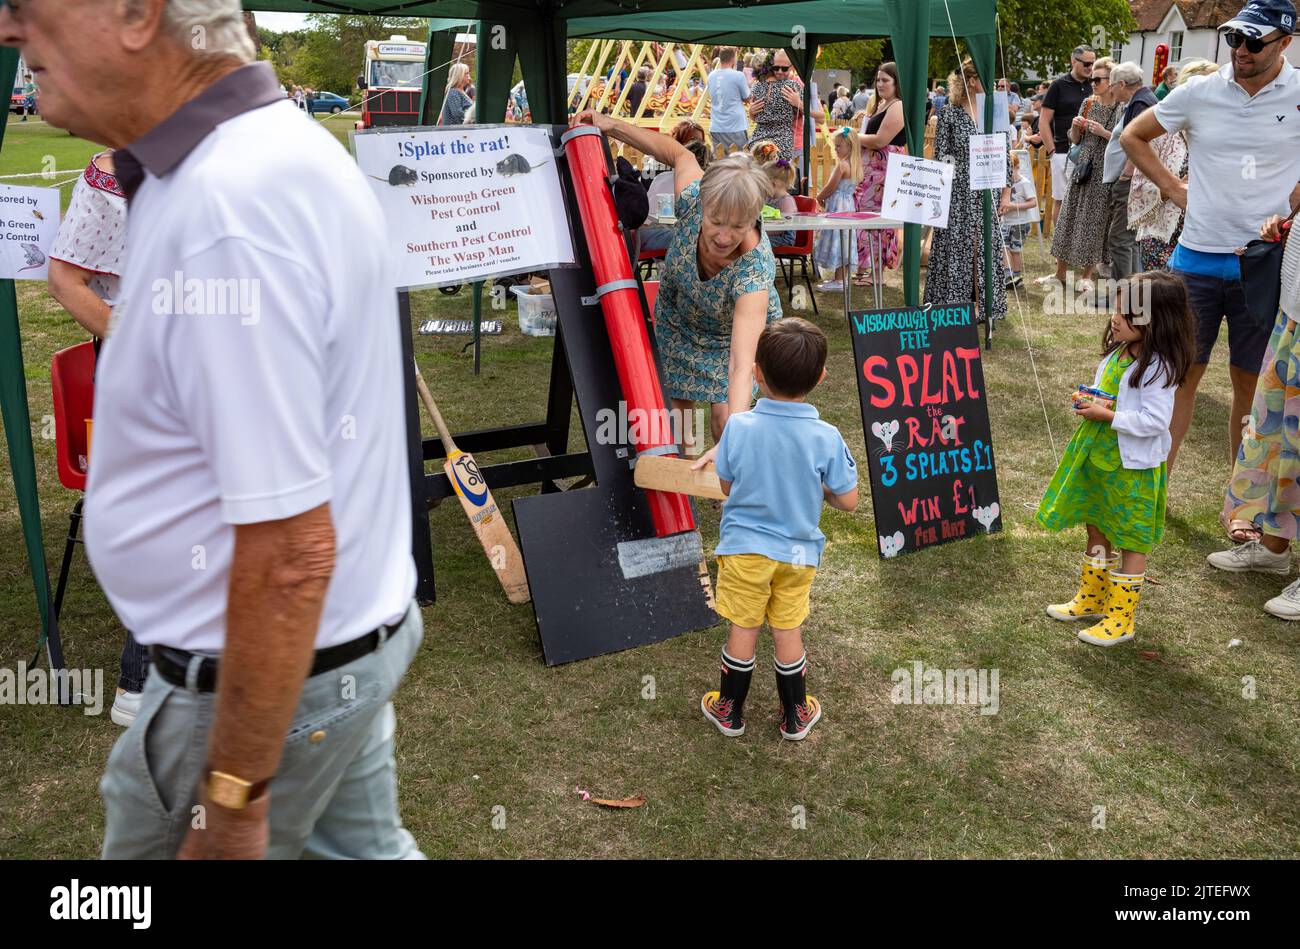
1090 601
1117 627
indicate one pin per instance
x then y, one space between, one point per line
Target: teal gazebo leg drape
909 29
804 60
18 435
983 51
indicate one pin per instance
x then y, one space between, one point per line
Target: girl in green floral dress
1112 476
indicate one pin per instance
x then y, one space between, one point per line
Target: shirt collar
792 409
1284 77
169 142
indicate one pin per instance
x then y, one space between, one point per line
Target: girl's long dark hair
1156 305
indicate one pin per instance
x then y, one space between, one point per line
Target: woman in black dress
956 270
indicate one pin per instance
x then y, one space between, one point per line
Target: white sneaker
1286 605
1251 556
831 286
125 708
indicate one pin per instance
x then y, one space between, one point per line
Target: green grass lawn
1156 732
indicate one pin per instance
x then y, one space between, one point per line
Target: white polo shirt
1243 153
253 372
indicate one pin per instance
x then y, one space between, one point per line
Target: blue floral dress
693 316
831 249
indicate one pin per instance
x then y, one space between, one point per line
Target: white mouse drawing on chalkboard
987 515
885 431
890 546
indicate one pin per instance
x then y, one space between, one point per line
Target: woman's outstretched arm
658 146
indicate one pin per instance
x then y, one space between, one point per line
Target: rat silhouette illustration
516 165
890 546
400 176
885 431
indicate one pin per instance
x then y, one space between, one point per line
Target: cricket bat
480 507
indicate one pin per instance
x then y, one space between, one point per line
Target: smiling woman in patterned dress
718 288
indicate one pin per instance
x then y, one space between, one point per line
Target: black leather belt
173 664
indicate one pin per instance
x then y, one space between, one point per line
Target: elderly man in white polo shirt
247 511
1243 137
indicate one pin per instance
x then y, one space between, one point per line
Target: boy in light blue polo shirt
777 464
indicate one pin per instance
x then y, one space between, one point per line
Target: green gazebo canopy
536 32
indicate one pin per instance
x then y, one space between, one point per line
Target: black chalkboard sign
926 420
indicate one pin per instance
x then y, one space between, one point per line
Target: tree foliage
1038 36
860 57
327 55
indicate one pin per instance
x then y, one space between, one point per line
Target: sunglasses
1236 40
1100 79
1085 63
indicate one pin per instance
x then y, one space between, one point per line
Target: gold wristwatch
231 792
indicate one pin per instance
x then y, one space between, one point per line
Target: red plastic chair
72 377
801 250
651 288
647 259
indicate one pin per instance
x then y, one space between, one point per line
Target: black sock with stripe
790 687
736 676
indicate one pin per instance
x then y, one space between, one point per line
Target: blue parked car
328 102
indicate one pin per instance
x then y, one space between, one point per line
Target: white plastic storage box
537 316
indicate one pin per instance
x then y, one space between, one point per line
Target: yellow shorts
751 587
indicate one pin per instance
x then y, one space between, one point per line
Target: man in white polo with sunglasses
1243 133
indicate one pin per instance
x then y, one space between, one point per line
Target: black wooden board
583 605
926 420
569 540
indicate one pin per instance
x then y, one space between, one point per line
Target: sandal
1240 532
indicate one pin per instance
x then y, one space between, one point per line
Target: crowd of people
1157 184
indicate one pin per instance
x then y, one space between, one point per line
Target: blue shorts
1213 299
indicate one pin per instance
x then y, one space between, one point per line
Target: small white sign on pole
988 161
467 202
29 223
917 190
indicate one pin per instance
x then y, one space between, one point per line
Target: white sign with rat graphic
467 202
29 223
917 190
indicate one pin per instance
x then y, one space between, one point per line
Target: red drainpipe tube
616 289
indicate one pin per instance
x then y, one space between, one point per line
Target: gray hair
212 28
735 187
1081 49
1128 74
